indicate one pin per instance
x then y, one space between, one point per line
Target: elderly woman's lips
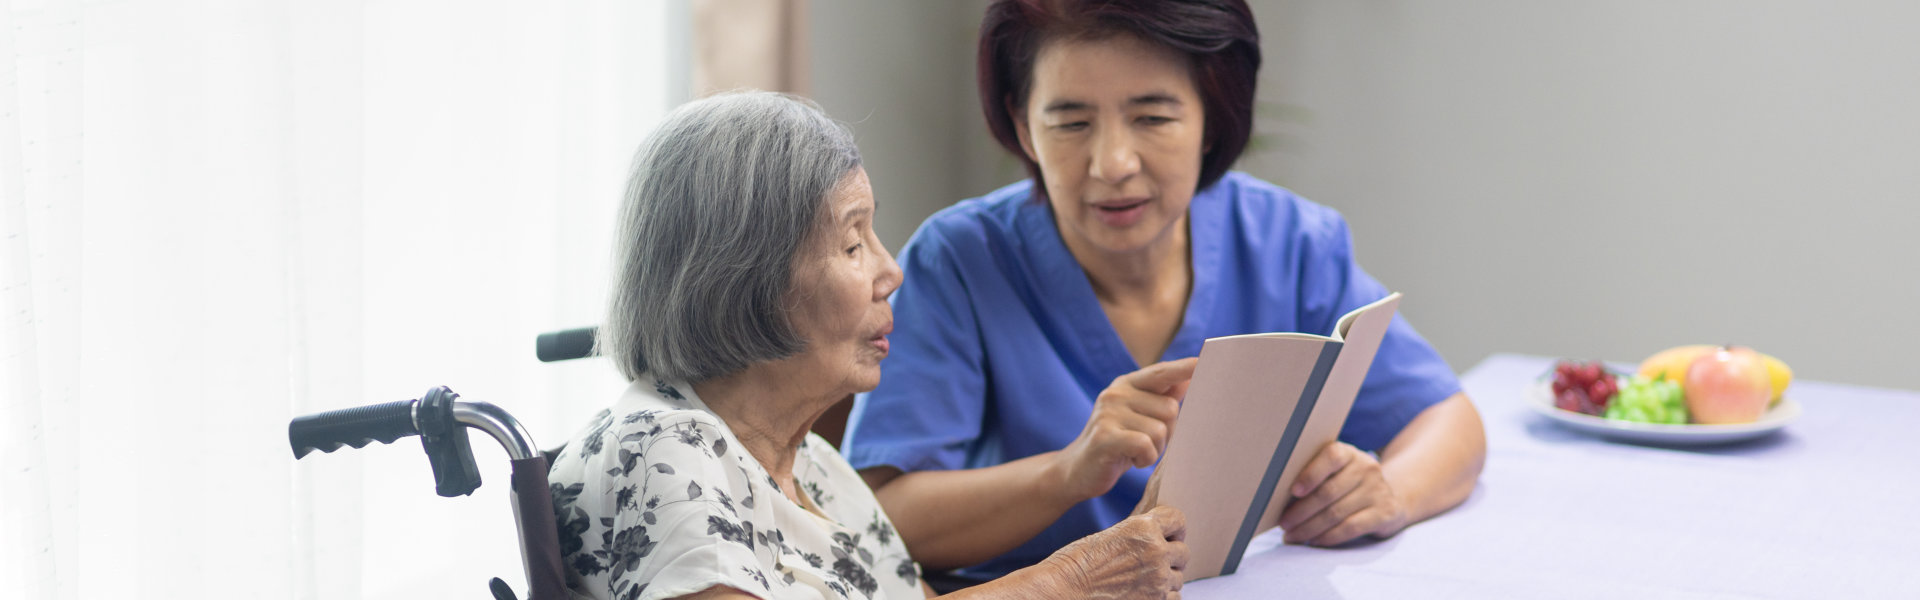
881 343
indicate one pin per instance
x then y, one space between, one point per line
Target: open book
1259 408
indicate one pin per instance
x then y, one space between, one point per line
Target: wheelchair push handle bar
566 344
440 420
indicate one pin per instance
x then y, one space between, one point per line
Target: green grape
1675 401
1648 401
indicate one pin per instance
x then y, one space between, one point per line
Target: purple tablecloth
1822 509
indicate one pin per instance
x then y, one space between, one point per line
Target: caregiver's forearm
1434 463
958 518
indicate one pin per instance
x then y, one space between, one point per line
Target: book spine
1282 453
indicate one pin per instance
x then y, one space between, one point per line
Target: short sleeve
675 523
1407 375
927 410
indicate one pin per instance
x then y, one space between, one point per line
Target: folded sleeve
927 411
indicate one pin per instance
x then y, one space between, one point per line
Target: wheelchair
441 421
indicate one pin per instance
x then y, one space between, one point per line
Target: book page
1362 331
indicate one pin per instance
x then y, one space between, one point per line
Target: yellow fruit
1779 376
1672 364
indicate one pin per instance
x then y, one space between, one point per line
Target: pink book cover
1259 408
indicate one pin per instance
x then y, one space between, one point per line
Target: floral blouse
656 498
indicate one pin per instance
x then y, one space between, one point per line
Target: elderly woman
752 296
1046 329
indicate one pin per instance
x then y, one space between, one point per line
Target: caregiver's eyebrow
1066 106
1148 99
1156 98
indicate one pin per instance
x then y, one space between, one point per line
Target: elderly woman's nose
890 275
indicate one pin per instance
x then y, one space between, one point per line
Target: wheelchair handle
357 427
567 344
388 422
441 422
437 418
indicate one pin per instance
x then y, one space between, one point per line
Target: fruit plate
1540 397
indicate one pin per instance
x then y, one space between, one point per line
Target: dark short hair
723 197
1218 37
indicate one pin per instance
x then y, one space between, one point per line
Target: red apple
1728 385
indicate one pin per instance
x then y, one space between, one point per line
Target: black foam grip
355 427
565 345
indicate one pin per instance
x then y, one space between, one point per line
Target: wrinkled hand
1144 556
1129 427
1341 495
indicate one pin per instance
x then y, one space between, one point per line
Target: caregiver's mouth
1120 214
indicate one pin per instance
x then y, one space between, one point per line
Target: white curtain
217 215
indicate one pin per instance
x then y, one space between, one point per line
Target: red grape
1590 371
1583 386
1572 399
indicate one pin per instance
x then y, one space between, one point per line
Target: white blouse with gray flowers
656 498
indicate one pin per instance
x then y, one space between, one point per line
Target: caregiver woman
1042 333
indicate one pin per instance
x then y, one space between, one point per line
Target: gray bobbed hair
723 196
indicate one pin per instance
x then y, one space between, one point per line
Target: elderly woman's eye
855 248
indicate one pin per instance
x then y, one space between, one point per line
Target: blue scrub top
999 346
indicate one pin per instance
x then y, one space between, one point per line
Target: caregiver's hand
1129 427
1341 495
1142 557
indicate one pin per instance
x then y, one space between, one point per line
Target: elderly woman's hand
1144 556
1129 427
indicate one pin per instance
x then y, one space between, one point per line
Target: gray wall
1593 179
901 73
1607 179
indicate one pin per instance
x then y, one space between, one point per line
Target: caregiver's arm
957 518
1431 466
1436 460
962 517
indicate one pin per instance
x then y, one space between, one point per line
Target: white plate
1540 397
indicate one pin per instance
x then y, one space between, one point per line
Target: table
1822 509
